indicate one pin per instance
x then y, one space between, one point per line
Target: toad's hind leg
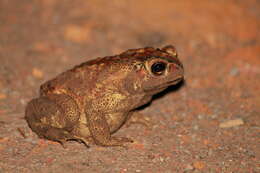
53 117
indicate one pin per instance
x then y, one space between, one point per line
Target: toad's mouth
165 85
175 81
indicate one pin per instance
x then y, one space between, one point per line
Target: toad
91 101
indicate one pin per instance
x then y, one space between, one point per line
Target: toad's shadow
170 89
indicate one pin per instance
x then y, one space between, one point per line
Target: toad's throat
165 85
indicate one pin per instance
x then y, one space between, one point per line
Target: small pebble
234 72
2 96
199 165
77 34
37 73
231 123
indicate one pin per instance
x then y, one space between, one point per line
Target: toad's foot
138 118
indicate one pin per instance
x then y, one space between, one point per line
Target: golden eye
158 68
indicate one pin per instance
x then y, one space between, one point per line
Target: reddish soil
218 42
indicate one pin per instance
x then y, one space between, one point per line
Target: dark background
218 42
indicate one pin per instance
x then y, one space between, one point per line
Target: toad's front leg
100 130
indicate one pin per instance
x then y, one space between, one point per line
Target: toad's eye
158 68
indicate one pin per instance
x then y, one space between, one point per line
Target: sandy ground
210 124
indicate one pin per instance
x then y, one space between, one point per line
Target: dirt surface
210 124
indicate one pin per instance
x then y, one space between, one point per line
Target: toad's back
84 77
76 81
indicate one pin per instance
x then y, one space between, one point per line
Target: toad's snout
177 70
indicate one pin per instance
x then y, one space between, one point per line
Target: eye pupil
158 68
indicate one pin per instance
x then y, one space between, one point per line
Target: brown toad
93 100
